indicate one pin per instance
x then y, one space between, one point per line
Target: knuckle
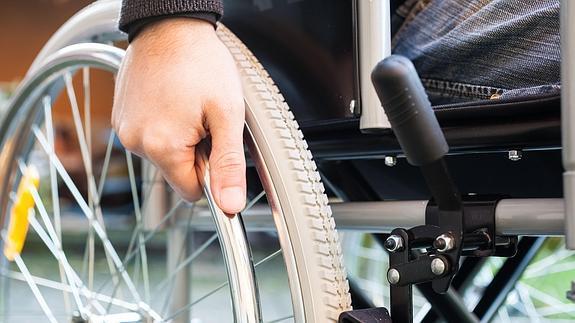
152 144
128 137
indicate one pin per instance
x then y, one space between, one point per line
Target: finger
176 162
183 178
227 161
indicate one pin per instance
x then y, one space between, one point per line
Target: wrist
181 28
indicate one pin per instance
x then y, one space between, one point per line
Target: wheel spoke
47 103
50 238
92 190
187 261
102 181
254 201
187 307
145 205
89 170
136 233
84 151
14 275
88 263
87 107
67 288
420 315
541 296
282 319
503 315
138 211
556 268
39 298
268 258
183 250
60 257
219 287
542 266
527 304
75 281
88 213
106 164
141 244
133 252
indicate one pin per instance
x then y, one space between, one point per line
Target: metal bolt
515 155
393 276
444 242
495 96
352 107
390 161
393 243
77 317
437 266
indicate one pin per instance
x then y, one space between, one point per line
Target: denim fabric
471 50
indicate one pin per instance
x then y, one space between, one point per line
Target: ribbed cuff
134 28
134 10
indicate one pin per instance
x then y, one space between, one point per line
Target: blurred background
25 26
37 20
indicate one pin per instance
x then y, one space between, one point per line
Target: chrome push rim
81 295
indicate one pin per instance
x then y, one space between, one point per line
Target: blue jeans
466 50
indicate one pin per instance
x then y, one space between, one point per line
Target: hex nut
444 242
515 155
394 243
390 161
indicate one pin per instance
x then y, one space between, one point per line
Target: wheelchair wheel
103 271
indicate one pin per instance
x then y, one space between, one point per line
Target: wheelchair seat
480 135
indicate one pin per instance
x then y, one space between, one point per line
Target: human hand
177 84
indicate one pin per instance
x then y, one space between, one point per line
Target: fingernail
232 199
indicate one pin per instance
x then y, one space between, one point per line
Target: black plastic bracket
471 229
370 315
480 237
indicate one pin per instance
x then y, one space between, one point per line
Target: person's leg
473 50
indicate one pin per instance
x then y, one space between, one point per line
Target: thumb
227 162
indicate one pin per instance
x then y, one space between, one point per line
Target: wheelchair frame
568 116
538 217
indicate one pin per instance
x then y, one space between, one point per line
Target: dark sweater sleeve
136 14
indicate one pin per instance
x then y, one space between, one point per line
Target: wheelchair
438 239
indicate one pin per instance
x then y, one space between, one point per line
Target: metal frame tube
374 38
535 217
568 116
450 305
512 216
467 270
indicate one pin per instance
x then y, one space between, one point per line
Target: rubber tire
308 217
